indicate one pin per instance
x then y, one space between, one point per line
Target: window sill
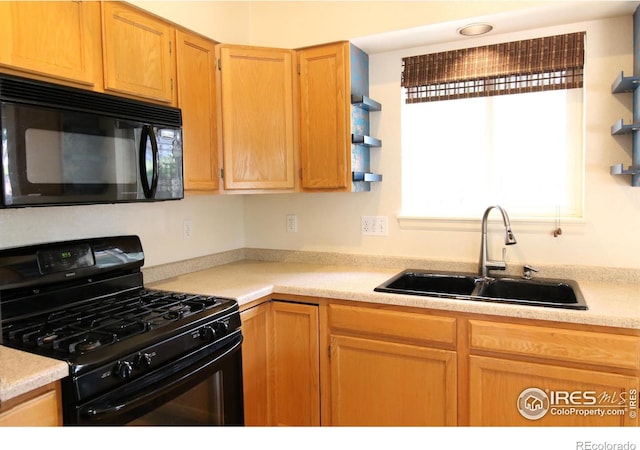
573 226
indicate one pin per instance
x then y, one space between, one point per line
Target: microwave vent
32 92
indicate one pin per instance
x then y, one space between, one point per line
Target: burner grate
101 322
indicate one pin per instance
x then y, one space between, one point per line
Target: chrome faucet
487 264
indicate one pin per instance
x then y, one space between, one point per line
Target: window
513 137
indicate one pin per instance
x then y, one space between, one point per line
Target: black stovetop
97 323
84 302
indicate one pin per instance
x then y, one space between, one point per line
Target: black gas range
135 354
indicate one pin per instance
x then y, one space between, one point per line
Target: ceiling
547 15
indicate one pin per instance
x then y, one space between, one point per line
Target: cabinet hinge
222 173
329 348
219 63
170 47
300 173
298 69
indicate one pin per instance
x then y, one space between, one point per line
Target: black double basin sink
534 292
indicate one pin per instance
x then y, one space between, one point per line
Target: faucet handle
527 272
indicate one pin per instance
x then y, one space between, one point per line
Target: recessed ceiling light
475 29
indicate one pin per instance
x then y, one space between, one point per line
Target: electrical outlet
187 226
375 225
292 223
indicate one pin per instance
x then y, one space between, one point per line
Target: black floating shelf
364 102
366 176
624 84
365 140
619 169
619 128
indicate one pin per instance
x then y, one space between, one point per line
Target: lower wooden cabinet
386 368
346 363
295 364
534 374
255 368
40 408
280 356
382 383
515 393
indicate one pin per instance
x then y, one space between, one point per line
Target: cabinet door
325 129
55 39
499 389
137 53
197 99
295 387
255 365
381 383
41 408
257 118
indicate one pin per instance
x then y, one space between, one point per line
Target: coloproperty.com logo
535 403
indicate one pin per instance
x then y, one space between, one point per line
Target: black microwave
65 146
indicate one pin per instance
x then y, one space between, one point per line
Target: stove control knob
124 370
143 360
222 328
207 333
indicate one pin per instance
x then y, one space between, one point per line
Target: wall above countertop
216 225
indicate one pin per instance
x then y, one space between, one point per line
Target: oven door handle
115 411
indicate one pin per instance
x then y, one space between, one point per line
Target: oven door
205 392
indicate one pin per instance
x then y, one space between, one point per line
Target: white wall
608 237
227 22
217 224
294 24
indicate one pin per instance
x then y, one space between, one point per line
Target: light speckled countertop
612 304
21 372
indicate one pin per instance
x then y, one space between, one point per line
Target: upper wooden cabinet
59 40
197 98
268 127
257 117
324 106
137 49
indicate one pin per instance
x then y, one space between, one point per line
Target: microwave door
64 157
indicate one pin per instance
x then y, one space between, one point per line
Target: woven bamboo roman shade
548 63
